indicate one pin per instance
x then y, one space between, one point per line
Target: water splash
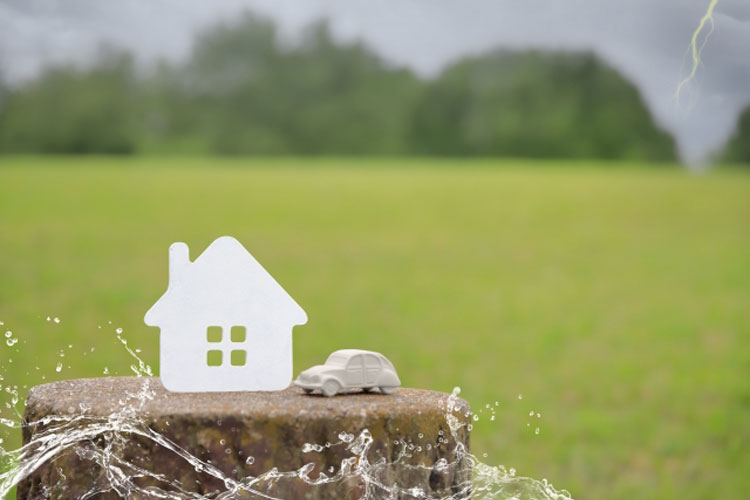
97 439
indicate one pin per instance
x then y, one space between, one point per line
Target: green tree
738 148
539 105
248 94
70 110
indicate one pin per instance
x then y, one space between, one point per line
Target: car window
372 362
355 363
337 359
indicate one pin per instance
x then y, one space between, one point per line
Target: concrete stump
128 437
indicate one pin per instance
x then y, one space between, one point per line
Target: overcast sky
647 40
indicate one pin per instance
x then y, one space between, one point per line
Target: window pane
214 358
238 358
355 363
238 334
336 359
372 362
213 334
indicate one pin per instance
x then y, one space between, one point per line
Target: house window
238 357
238 334
213 334
214 358
226 348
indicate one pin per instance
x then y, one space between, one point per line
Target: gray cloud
646 40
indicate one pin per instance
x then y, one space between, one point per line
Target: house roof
225 286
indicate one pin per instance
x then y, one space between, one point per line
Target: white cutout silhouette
350 369
226 324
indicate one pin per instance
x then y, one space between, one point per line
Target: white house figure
226 324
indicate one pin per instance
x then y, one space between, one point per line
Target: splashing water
96 440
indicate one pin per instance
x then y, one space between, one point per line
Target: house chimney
179 258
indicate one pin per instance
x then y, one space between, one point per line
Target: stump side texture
243 434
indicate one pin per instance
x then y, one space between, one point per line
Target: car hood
315 370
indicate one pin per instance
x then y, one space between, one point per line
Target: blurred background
520 199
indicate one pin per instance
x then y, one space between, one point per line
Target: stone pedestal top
103 396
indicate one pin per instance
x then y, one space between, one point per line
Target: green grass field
615 300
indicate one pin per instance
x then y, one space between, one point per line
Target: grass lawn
614 300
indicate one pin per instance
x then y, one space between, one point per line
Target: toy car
349 369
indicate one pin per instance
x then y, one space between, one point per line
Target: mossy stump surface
129 437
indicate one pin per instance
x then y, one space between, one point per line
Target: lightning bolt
696 48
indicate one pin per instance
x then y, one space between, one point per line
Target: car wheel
330 388
387 390
370 389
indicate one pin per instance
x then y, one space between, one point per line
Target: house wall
184 366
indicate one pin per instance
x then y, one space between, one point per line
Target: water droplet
11 342
106 370
536 431
58 368
531 413
222 442
250 460
520 396
492 418
538 415
475 418
56 319
8 334
420 435
49 319
228 451
118 330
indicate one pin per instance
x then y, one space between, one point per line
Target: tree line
243 91
738 148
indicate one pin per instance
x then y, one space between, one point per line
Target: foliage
244 91
615 300
738 148
537 104
254 97
73 111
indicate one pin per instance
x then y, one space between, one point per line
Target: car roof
352 352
